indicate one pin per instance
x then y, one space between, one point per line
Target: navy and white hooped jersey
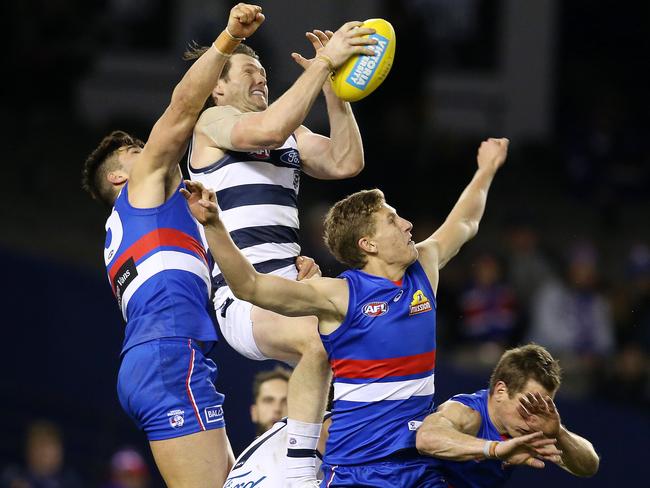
158 268
477 473
257 194
383 359
263 463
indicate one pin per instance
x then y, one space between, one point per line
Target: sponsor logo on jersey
296 180
238 482
125 275
398 296
261 154
414 424
420 303
176 418
291 157
213 414
293 441
375 309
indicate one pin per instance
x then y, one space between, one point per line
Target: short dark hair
195 51
349 220
278 373
530 362
101 161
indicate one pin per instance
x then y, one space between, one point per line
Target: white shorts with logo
234 318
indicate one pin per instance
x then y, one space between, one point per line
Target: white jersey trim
378 391
164 261
259 215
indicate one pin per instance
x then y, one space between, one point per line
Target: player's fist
492 153
244 20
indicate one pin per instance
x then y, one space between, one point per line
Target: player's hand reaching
344 43
202 202
539 413
492 153
244 20
319 40
531 450
307 268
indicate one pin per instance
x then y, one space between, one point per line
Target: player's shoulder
218 112
467 418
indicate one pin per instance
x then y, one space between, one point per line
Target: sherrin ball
362 74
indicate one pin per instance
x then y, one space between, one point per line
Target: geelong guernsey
485 473
263 463
383 359
158 269
257 194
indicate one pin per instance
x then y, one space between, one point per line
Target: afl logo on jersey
375 309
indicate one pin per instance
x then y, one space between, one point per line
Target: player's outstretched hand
492 153
202 202
307 268
531 450
346 42
244 20
540 413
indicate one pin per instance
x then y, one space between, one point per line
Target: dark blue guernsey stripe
264 234
259 194
264 267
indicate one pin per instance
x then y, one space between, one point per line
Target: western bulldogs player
160 274
377 321
251 153
478 438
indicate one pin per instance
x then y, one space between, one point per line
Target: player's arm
578 454
324 297
341 154
270 128
168 139
450 433
463 220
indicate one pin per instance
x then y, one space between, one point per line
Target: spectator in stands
44 461
270 390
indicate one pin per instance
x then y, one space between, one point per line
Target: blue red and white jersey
158 268
484 473
257 194
383 359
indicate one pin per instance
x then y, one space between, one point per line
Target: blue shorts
414 472
167 387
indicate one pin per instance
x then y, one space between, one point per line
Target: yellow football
361 74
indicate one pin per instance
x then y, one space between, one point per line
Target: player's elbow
350 168
590 467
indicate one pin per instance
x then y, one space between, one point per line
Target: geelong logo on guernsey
366 65
213 414
420 303
375 309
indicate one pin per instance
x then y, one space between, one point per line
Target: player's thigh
285 338
200 460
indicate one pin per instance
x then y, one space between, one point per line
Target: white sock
302 439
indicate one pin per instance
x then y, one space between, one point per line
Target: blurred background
562 257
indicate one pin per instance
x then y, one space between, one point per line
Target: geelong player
251 153
158 269
477 437
377 322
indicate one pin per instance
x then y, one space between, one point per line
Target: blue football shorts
167 387
414 472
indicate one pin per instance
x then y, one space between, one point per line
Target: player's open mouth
259 93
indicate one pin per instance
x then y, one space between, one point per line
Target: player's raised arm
341 154
270 128
169 136
463 220
324 297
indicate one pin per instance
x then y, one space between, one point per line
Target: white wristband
486 449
